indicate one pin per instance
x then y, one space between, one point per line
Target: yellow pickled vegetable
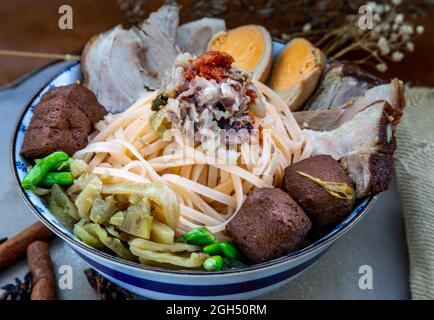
62 205
120 235
78 168
137 224
112 243
86 237
163 247
194 260
162 233
103 209
86 197
117 219
164 201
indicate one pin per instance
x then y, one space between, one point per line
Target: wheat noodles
211 189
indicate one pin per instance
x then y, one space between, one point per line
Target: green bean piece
229 250
61 166
214 263
213 249
59 178
199 236
35 176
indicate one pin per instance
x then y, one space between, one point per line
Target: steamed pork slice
364 145
56 124
330 119
121 78
268 225
80 96
103 57
319 119
250 46
296 72
326 201
120 65
167 19
340 83
159 55
94 54
193 37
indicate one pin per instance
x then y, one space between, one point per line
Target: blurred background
29 25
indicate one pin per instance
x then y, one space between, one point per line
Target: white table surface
378 240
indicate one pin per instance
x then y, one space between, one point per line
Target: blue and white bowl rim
362 208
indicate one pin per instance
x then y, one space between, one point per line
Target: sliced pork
120 65
339 84
330 119
364 145
193 37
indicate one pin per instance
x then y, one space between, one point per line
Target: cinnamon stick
41 268
14 248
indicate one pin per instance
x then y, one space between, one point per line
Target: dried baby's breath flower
390 39
397 56
307 27
410 46
399 18
382 67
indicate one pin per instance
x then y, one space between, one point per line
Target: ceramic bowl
161 283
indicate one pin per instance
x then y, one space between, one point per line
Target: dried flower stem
41 55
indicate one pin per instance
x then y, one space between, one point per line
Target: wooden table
33 26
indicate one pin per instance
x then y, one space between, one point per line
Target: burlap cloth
415 174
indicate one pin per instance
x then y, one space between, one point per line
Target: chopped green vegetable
64 165
78 168
164 201
112 243
86 197
159 122
37 173
86 237
117 219
60 213
214 263
103 209
59 198
137 222
159 101
59 178
194 260
120 235
162 233
199 236
163 247
41 191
